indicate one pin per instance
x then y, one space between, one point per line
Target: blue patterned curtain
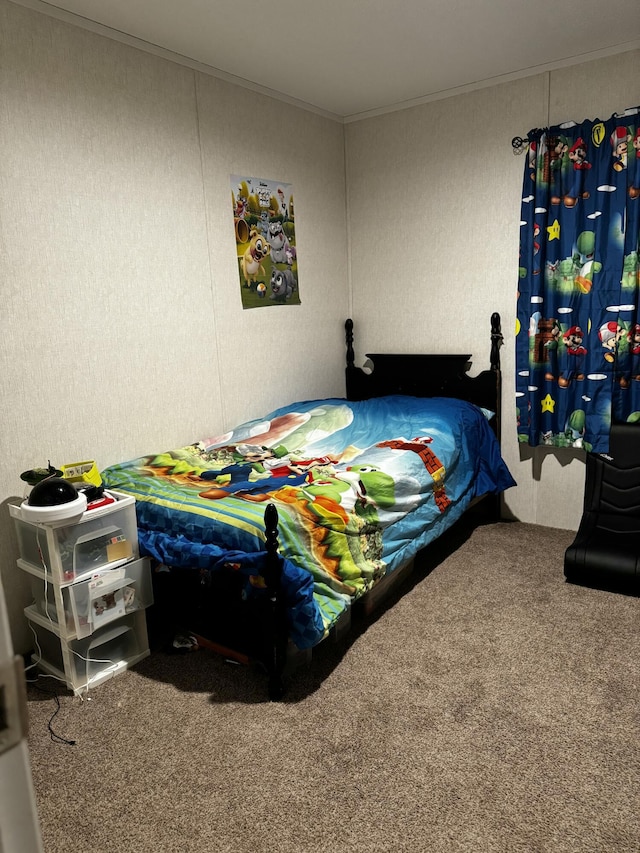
578 324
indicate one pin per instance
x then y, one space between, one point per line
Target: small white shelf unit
90 589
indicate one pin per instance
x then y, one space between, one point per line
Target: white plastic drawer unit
89 661
90 604
105 536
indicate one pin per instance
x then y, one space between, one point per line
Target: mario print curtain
578 324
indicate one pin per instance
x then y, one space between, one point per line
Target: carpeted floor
491 707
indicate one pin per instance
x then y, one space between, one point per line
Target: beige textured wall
434 224
293 352
121 329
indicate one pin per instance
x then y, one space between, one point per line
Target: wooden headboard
423 375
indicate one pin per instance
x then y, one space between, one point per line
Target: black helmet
52 492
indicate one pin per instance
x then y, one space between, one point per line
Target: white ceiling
348 58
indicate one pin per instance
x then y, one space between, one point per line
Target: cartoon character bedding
360 488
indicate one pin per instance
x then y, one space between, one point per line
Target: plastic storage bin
105 536
90 589
90 604
114 593
87 662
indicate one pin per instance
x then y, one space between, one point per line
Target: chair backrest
612 486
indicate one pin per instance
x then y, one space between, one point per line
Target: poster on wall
264 221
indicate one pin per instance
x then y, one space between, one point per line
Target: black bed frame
439 375
415 375
388 374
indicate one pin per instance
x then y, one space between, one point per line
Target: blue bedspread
360 488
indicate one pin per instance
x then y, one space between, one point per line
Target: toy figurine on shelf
36 475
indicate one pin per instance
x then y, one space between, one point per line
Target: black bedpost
496 341
353 375
278 634
349 335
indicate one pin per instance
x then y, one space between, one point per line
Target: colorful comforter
359 487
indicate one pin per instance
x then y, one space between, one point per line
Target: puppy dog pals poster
264 222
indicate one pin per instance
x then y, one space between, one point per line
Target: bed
263 539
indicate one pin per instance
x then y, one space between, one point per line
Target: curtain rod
520 143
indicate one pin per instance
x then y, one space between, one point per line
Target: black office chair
606 551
